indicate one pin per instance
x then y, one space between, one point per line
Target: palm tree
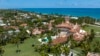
66 50
1 51
92 35
17 44
16 41
56 50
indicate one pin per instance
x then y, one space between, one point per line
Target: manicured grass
26 48
88 28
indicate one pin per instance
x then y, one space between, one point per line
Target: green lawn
26 48
96 29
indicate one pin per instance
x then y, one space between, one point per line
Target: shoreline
75 12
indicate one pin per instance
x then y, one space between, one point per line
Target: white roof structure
82 31
17 31
54 37
28 31
1 21
2 24
74 17
40 40
50 54
62 54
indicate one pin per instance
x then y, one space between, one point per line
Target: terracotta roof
59 40
12 27
36 31
74 30
64 25
24 24
78 36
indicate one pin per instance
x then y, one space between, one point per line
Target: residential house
2 23
93 54
36 31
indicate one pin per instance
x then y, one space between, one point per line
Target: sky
49 3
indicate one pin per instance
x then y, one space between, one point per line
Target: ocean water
92 12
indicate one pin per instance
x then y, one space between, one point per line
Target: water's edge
92 12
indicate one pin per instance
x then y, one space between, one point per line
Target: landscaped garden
25 48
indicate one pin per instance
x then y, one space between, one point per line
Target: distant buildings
2 23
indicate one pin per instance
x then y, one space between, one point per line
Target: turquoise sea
92 12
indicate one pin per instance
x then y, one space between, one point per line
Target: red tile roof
24 24
64 25
78 36
59 40
12 27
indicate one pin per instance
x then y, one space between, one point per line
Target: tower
67 18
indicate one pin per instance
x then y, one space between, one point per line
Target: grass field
26 48
96 29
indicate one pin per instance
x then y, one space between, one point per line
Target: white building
1 23
74 18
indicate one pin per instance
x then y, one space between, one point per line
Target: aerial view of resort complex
49 27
